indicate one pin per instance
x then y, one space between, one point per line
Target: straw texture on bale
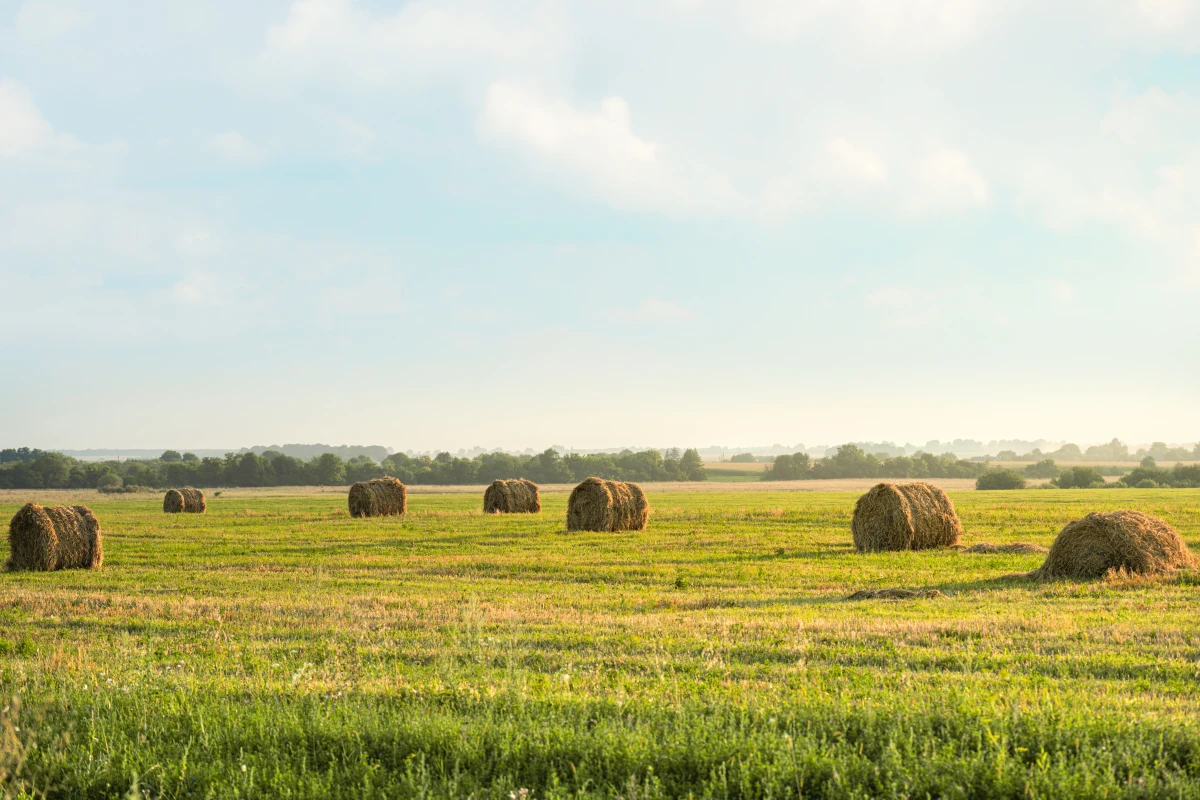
380 497
904 516
190 501
600 505
893 594
58 537
517 496
193 501
1131 541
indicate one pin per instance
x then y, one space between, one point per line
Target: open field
275 647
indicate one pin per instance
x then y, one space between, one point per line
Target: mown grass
275 647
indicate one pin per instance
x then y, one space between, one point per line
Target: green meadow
275 647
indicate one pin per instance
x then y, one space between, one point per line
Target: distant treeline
26 468
850 461
1114 451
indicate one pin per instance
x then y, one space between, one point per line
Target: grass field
275 647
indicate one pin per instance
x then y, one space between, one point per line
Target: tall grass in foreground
278 648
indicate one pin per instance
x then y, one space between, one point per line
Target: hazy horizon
451 223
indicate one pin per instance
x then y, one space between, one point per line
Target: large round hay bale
193 501
380 497
178 501
58 537
173 502
517 496
600 505
904 516
1119 540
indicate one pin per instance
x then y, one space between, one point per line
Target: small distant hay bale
380 497
1015 547
904 516
894 594
600 505
180 501
517 496
1128 541
58 537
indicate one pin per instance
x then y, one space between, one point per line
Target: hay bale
904 516
894 594
190 501
517 496
193 501
380 497
173 502
1119 540
600 505
58 537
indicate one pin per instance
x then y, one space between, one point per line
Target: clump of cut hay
1015 547
893 594
600 505
58 537
517 496
1123 541
904 516
190 501
380 497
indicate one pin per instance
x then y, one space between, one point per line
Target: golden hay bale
517 496
904 516
380 497
173 502
600 505
59 537
178 501
193 501
894 594
1119 540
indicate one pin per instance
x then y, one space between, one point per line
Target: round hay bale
193 501
904 516
1119 540
173 502
380 497
58 537
190 501
517 496
600 505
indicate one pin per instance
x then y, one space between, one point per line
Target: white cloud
233 146
655 311
1060 291
337 40
947 180
23 129
598 147
856 162
39 20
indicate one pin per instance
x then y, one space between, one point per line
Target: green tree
1000 479
691 467
1045 468
743 458
329 470
170 457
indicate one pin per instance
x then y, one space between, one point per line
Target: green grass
275 647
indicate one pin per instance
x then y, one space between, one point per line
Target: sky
434 224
